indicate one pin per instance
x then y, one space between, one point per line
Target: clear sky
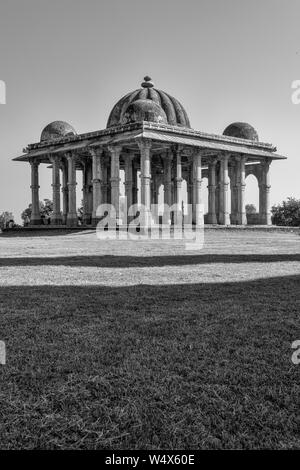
225 60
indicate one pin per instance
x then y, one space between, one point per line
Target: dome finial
148 82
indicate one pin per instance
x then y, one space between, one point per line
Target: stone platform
51 228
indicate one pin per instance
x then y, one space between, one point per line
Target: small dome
174 112
57 130
241 130
144 110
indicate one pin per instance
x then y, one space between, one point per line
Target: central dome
144 110
165 108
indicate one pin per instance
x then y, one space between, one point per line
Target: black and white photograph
149 228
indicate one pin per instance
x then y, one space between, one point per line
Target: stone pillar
65 192
104 185
89 183
178 178
155 193
224 218
153 185
218 191
135 184
211 217
168 183
173 179
56 218
135 188
108 189
178 186
145 151
72 219
241 185
168 179
197 186
233 173
189 187
264 190
115 152
35 202
97 178
86 217
129 182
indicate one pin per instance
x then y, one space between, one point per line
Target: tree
5 218
287 213
46 209
26 214
250 209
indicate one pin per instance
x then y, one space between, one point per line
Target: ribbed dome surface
242 130
57 130
144 110
173 110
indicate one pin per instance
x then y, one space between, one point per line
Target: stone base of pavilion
79 228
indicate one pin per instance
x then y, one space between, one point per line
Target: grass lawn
147 346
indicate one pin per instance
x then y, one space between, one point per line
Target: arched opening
252 200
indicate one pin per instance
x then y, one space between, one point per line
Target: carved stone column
173 178
56 218
168 178
135 184
35 202
153 185
129 181
65 192
241 186
89 183
72 219
178 186
145 151
197 189
233 173
104 185
224 216
115 152
264 189
189 187
178 178
97 179
218 190
211 217
86 218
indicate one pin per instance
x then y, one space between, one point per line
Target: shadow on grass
112 261
151 367
23 233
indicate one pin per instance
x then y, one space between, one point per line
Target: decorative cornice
145 125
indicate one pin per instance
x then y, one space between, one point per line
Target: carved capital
212 162
169 156
115 149
69 156
144 144
95 151
266 163
34 162
243 159
55 159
